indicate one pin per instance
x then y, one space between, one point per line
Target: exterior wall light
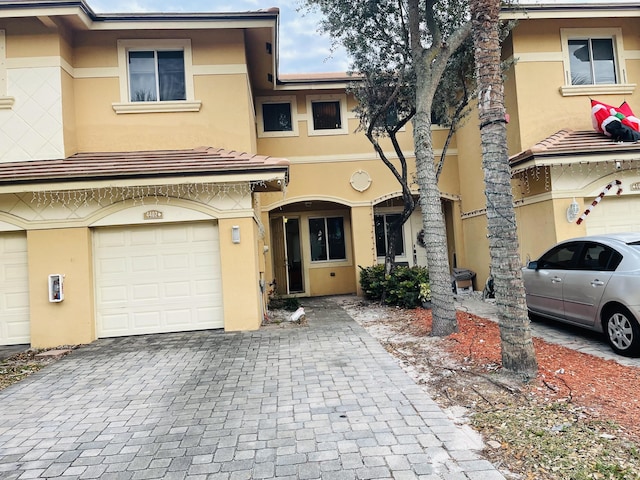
572 211
235 234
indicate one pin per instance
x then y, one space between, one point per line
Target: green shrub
290 304
401 288
372 282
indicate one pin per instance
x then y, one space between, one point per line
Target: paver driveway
321 401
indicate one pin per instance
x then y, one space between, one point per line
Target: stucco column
65 251
240 275
363 240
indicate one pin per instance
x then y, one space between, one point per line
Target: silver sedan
592 282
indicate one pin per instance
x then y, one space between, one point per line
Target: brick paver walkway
323 401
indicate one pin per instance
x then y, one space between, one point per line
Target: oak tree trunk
435 237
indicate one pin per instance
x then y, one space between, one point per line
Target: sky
302 48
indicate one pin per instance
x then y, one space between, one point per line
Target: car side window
561 257
594 257
598 257
610 260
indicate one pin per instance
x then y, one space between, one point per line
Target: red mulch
609 390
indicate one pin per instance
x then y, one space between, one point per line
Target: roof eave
520 11
84 17
272 179
529 159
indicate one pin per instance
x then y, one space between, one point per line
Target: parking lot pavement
580 339
323 401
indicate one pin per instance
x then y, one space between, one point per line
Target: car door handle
556 280
597 283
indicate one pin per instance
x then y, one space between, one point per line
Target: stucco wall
64 251
240 286
220 80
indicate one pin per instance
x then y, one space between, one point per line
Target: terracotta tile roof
142 164
574 143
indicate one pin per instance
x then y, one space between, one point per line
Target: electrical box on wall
56 290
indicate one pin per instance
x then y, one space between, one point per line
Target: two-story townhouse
128 171
561 56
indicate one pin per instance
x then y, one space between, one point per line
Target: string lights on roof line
605 165
597 168
145 194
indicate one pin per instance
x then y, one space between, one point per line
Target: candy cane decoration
596 200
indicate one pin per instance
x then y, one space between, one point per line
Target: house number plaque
153 215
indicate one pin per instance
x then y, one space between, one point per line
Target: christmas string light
143 195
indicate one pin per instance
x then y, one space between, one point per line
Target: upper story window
277 116
594 62
155 76
327 114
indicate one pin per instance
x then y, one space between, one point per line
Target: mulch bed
607 389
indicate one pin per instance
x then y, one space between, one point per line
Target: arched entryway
312 249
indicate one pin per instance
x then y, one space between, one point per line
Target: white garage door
14 289
157 279
614 214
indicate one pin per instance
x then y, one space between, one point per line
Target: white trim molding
157 107
587 90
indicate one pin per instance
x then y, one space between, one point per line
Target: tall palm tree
518 354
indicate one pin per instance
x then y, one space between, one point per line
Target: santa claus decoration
618 123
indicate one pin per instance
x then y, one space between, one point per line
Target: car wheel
623 332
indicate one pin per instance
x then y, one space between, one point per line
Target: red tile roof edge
137 164
573 142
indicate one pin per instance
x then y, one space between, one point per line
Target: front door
287 255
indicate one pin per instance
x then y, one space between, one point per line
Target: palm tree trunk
518 355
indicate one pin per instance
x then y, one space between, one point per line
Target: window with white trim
594 61
277 116
155 76
327 239
327 114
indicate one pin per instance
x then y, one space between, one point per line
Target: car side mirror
533 265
